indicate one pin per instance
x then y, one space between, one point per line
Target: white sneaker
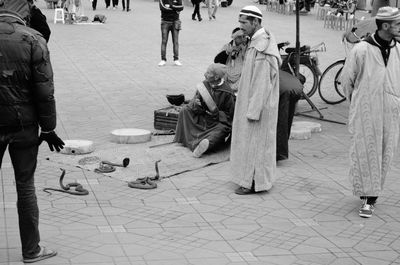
162 63
201 148
366 209
177 63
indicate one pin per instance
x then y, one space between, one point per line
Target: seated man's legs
214 138
290 90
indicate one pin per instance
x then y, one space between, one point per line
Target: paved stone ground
106 77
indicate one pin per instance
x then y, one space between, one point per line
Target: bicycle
331 77
309 71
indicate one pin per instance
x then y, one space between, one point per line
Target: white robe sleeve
350 72
261 83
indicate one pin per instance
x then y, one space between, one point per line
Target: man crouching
206 122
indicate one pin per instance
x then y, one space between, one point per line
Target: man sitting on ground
206 122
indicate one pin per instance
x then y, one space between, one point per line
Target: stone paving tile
106 77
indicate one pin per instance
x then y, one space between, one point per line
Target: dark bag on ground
99 18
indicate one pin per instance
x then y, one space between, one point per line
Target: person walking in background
114 3
371 80
253 147
127 5
26 103
212 6
94 4
170 22
38 21
196 11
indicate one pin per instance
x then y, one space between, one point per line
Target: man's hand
52 140
229 49
197 101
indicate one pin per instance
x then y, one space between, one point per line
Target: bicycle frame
308 56
310 71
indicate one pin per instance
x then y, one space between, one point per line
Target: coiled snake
79 190
146 182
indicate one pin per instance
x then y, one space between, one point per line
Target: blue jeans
174 27
23 149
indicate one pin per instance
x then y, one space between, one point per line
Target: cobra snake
79 190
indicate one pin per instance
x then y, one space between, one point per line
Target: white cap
388 13
251 11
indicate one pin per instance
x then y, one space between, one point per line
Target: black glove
52 140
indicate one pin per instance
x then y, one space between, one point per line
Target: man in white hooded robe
371 80
253 147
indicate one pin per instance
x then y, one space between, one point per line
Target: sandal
44 253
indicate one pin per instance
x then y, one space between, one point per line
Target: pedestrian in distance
38 21
196 10
114 3
26 104
170 22
212 7
94 4
127 5
371 80
253 147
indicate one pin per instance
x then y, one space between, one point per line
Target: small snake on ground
146 182
79 190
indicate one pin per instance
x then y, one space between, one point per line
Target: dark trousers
289 93
127 4
114 2
94 4
370 199
307 5
173 27
23 150
196 11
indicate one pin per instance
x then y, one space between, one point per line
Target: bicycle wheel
309 79
330 89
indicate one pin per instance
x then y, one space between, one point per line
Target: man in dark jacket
170 22
26 103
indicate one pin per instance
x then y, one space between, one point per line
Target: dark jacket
26 77
170 9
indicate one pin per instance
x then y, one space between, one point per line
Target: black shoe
193 17
244 191
128 10
200 19
123 9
